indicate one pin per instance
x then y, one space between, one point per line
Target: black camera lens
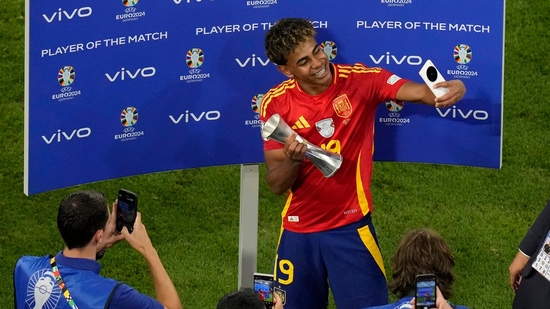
431 72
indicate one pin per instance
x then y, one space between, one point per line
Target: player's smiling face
310 66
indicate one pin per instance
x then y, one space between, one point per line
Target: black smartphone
263 286
126 210
426 292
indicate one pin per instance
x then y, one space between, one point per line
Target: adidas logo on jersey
301 123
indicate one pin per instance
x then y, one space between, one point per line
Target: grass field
192 215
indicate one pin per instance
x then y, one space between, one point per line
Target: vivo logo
81 12
189 116
60 136
252 61
123 73
458 113
187 1
389 59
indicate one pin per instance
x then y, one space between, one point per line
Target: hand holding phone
425 295
263 286
431 76
126 210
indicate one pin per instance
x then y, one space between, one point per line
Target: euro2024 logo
128 118
130 12
194 59
255 106
462 55
65 78
330 49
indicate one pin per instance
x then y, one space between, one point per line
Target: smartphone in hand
263 286
126 210
425 295
431 76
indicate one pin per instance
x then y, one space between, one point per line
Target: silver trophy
278 130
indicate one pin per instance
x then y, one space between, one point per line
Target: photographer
71 279
246 299
421 251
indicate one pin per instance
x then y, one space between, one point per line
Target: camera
431 76
126 210
426 291
263 286
431 73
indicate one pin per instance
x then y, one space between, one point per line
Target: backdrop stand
248 224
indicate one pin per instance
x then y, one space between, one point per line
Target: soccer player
327 232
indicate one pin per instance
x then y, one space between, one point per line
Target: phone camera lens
431 72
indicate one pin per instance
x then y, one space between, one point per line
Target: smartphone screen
263 285
425 291
126 210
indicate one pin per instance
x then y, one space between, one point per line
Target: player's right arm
283 164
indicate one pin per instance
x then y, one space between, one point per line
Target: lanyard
61 283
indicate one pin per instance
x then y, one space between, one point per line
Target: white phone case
428 65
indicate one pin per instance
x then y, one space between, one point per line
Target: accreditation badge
542 263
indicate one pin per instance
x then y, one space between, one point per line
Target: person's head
80 216
285 36
290 43
241 299
422 251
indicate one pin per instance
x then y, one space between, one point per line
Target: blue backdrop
123 88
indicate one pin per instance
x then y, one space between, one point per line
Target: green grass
193 215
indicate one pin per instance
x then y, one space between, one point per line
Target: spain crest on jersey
342 106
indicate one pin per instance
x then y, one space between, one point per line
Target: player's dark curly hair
422 251
285 36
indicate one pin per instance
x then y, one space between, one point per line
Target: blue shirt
81 276
404 303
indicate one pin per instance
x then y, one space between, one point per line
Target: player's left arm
420 93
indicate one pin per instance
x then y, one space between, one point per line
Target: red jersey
341 120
